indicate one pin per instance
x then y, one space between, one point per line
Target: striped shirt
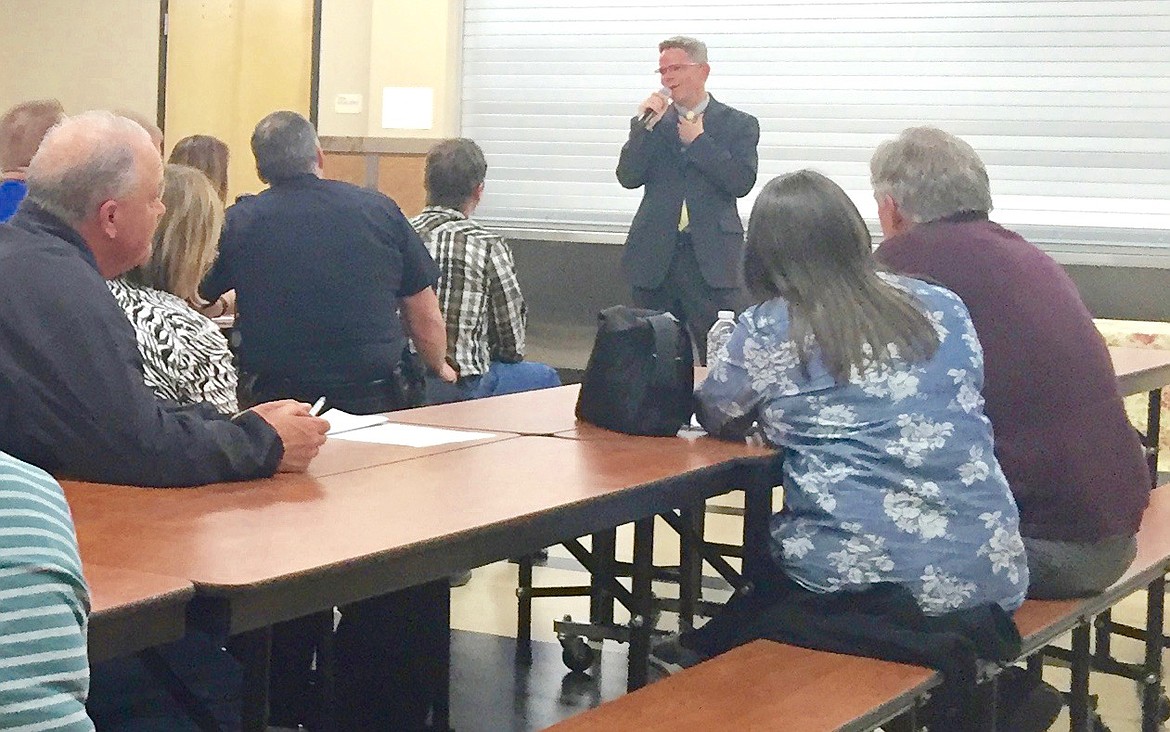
44 604
185 357
478 290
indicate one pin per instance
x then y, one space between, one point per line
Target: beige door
228 64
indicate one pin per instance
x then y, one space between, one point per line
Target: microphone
649 118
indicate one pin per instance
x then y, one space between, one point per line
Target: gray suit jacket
718 167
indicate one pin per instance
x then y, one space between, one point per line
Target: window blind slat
1068 102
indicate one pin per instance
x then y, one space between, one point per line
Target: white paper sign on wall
408 108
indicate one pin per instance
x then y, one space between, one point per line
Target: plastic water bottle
719 334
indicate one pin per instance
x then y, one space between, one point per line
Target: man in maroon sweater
1072 459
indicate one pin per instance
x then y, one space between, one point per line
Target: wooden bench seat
764 686
1042 621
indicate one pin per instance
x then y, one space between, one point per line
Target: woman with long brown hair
871 382
207 154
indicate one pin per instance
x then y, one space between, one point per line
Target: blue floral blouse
890 477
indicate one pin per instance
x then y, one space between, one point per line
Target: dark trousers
687 295
402 387
129 694
390 658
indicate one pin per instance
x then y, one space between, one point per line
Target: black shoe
1027 708
669 656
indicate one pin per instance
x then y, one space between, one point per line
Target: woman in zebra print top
185 357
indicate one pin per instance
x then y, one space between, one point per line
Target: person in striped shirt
478 290
44 606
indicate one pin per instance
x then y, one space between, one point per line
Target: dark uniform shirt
318 267
72 396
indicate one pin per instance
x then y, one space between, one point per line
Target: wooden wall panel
399 175
347 167
401 178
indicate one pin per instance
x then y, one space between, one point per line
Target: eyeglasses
673 68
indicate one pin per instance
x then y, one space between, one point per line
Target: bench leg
326 672
1035 667
1152 693
757 513
1103 641
1078 693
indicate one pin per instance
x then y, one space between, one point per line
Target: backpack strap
667 347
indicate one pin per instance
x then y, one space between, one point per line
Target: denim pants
501 378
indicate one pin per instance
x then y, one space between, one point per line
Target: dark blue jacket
72 397
716 169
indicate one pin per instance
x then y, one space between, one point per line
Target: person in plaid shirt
478 290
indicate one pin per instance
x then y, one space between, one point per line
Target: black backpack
640 378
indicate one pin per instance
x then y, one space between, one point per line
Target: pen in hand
314 411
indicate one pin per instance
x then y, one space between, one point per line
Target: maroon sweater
1062 437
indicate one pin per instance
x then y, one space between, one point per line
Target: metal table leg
641 610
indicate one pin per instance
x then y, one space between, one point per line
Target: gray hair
285 145
84 161
694 48
930 174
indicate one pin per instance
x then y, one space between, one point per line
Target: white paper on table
340 421
410 435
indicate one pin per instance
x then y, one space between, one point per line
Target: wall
370 44
345 65
396 171
230 63
567 283
90 54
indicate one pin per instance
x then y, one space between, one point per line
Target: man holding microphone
695 156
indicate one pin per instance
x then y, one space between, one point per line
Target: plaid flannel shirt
478 290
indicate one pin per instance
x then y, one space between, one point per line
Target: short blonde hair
186 241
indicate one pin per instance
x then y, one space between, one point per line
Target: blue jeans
501 378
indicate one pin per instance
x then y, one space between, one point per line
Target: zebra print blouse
185 357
